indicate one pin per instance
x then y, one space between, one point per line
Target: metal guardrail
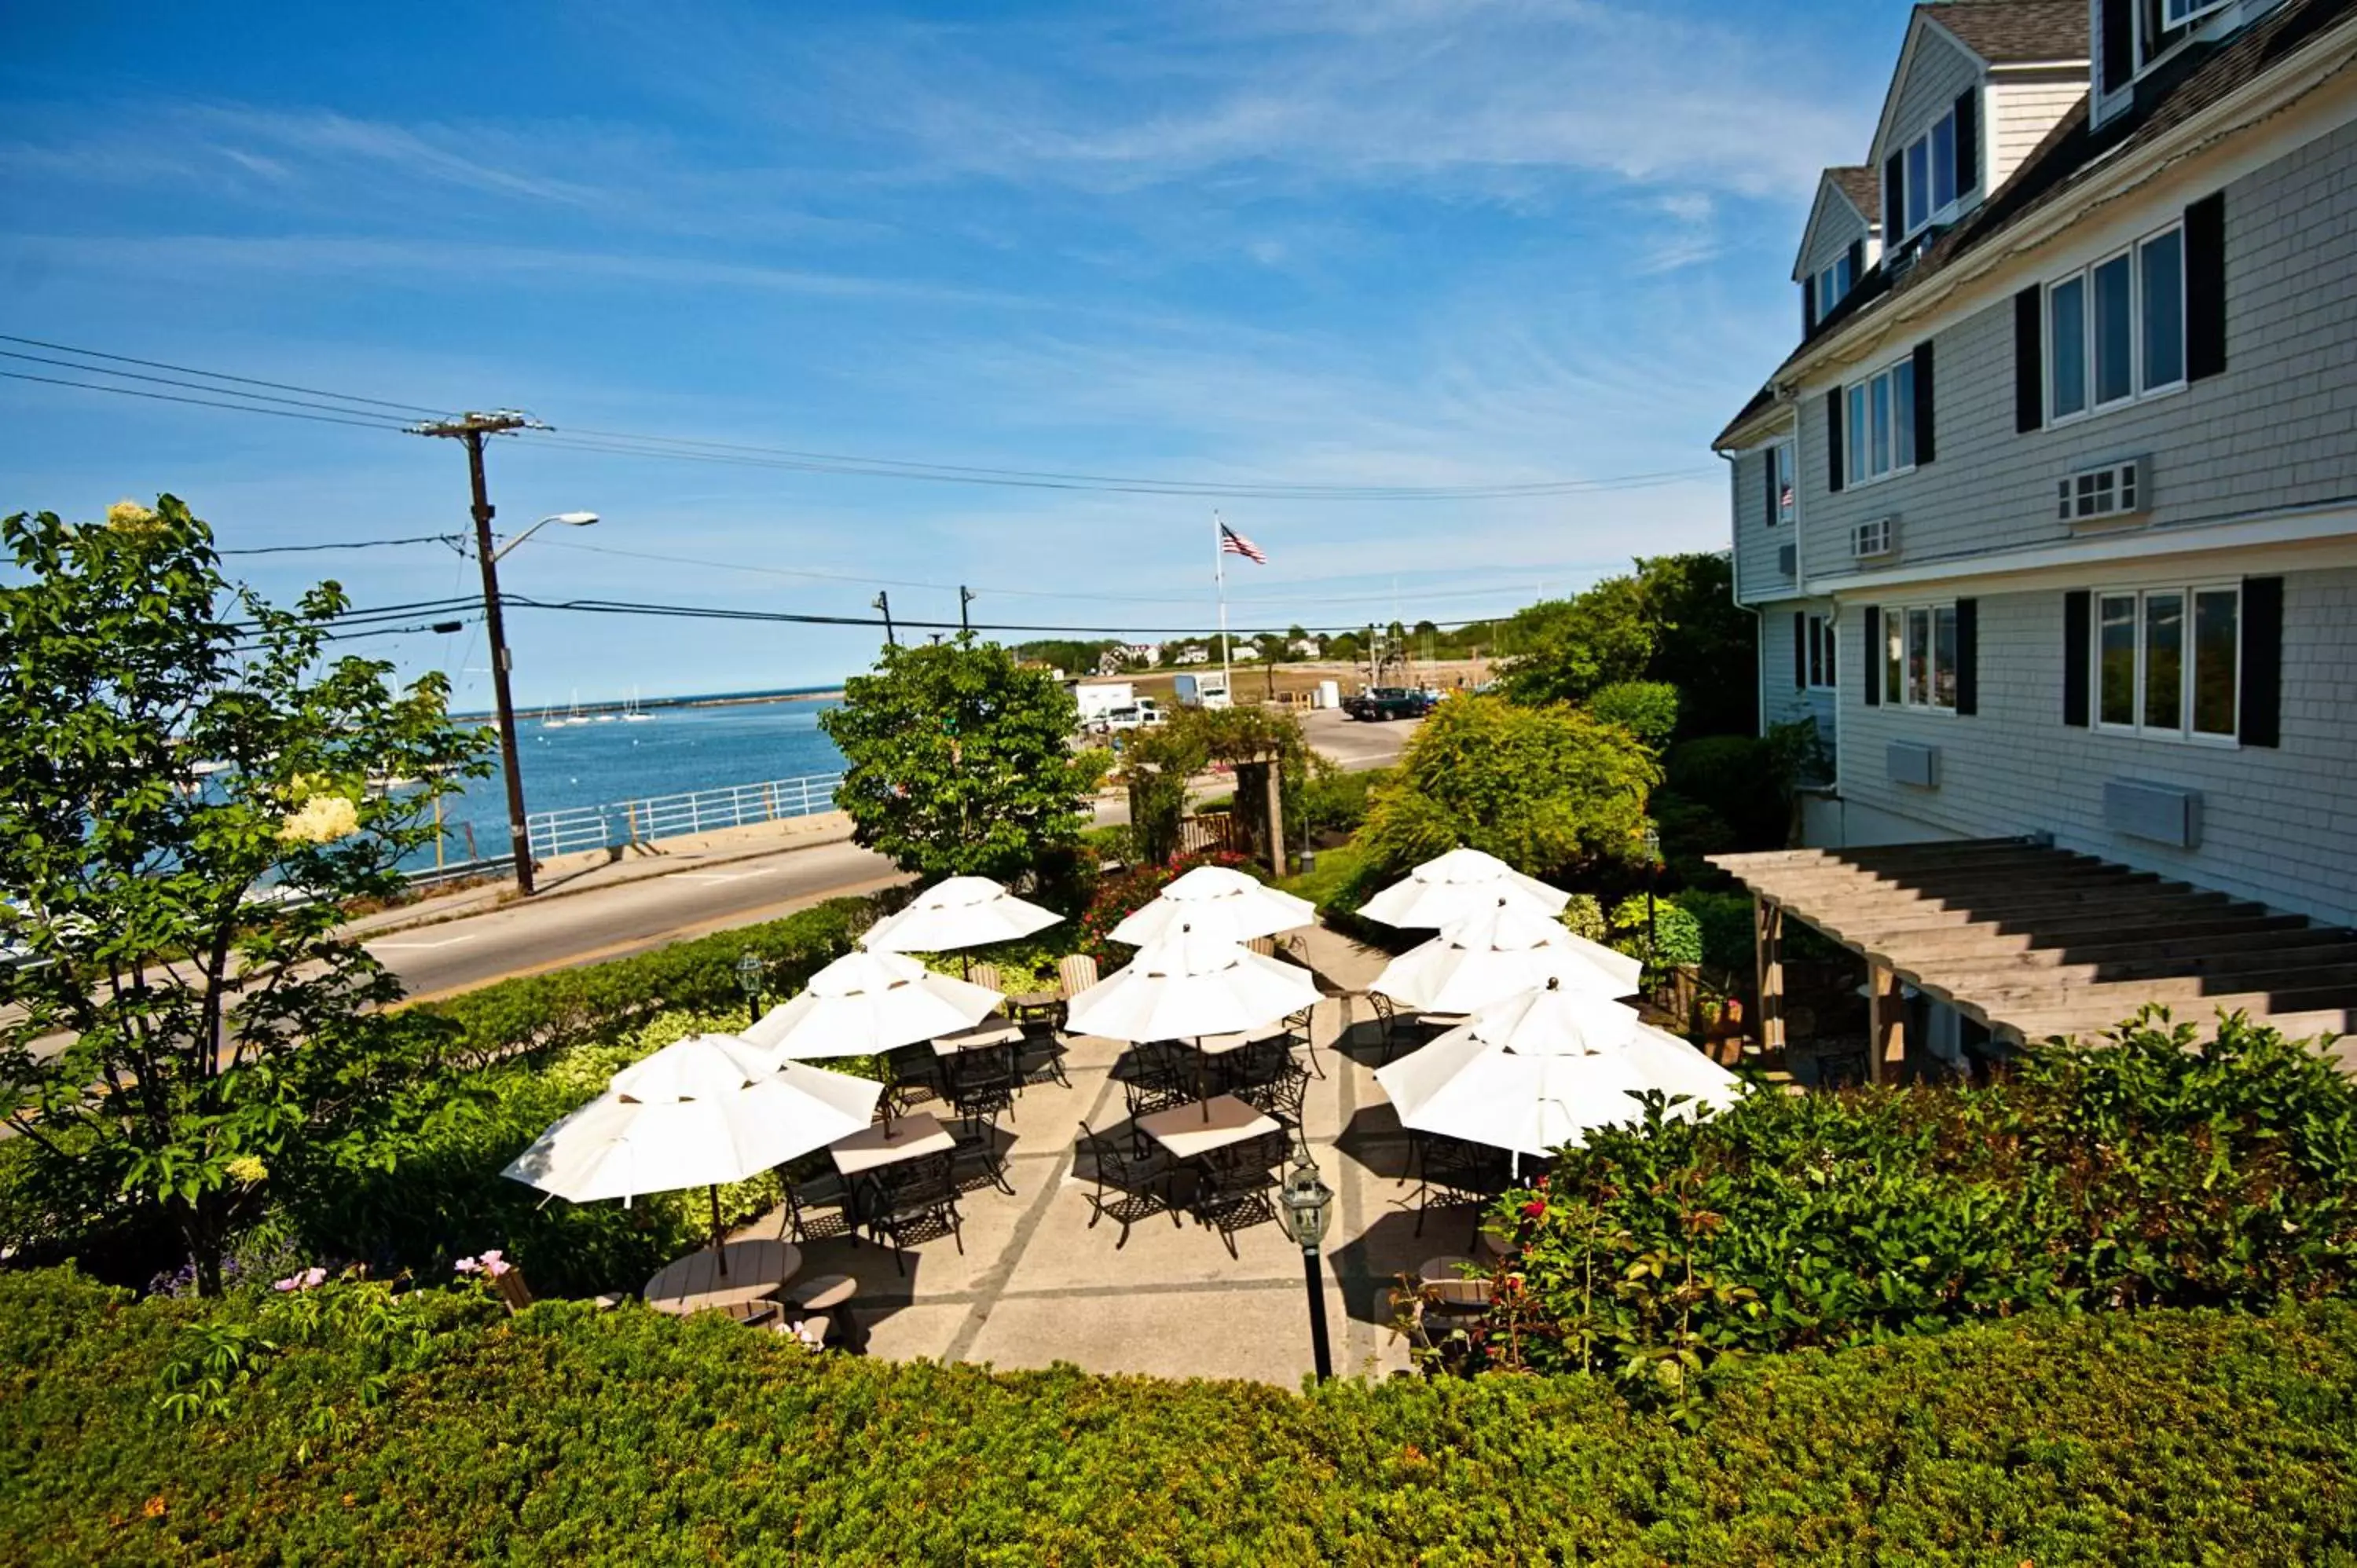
676 816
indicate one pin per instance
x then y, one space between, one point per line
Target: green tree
1705 644
1646 709
1547 791
190 1028
1160 761
1564 651
957 761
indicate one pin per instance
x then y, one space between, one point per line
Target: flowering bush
1119 896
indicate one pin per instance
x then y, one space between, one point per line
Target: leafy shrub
1739 779
2147 1171
437 1430
1646 709
1724 923
1584 916
1663 934
1334 800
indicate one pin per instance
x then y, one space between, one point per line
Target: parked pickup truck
1386 703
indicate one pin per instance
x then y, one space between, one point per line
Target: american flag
1235 543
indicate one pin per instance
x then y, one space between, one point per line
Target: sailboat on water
631 715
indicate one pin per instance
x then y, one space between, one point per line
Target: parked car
1385 703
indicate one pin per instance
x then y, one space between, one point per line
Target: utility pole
965 597
884 603
471 428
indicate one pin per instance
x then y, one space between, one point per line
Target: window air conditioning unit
2115 490
1788 560
1869 541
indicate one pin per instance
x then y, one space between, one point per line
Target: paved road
635 916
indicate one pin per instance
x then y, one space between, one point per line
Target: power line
454 540
197 401
212 375
170 382
714 612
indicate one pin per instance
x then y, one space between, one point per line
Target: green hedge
2144 1171
437 1430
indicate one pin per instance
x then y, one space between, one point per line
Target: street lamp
1652 875
1303 1205
749 981
495 628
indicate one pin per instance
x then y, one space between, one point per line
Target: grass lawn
1335 867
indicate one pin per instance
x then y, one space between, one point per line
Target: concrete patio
1037 1286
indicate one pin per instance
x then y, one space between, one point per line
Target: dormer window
2138 34
1926 179
1833 284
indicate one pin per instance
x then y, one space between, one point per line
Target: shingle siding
1781 702
2278 825
2278 429
1939 72
2020 112
1834 225
1758 574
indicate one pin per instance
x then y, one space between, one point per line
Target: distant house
1306 647
2047 521
1145 653
1192 653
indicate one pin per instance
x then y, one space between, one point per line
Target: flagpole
1220 577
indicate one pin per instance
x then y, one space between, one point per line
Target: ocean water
671 752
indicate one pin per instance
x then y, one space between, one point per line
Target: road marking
421 947
724 875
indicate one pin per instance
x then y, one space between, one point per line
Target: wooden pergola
2036 942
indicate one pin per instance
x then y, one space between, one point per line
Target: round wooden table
695 1282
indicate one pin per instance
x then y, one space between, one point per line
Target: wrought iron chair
1233 1191
978 1158
1129 1186
807 1198
1282 1095
1453 1172
913 1074
1301 1035
913 1201
983 1081
1386 1020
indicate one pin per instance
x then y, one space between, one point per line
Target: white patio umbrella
866 1002
961 912
1457 885
1188 983
1535 1072
702 1112
1490 957
1219 903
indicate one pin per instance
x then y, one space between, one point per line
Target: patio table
909 1137
1220 1044
1191 1131
1034 1004
989 1032
694 1284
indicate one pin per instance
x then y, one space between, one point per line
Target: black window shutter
2076 630
2205 286
1857 261
1894 199
1968 656
1834 439
2119 43
2262 704
1799 648
1768 462
1924 450
2028 360
1968 139
1808 306
1872 684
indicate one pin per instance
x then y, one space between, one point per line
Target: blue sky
1336 242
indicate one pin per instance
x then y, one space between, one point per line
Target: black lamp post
1652 875
749 981
1303 1205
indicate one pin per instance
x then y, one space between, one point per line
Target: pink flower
303 1278
469 1266
495 1264
314 1275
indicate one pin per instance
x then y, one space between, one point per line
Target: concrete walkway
1035 1284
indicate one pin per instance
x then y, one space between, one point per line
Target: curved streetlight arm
572 518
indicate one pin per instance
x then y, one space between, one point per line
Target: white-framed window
1781 483
2162 24
1833 285
2115 330
1928 172
1879 437
2168 662
1822 663
1918 656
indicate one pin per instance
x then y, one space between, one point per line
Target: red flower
1534 1209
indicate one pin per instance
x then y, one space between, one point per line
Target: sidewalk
589 870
